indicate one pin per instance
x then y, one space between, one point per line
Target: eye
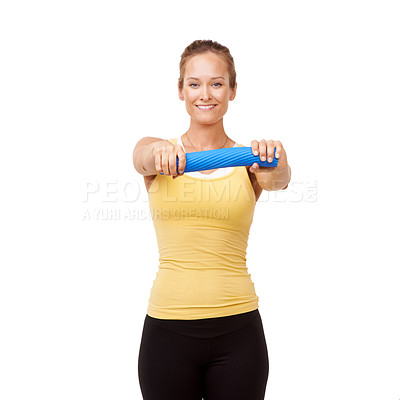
193 84
220 84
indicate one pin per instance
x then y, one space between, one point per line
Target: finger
172 163
278 146
157 159
254 147
165 163
254 168
263 150
182 161
270 150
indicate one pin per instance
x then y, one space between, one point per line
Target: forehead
206 65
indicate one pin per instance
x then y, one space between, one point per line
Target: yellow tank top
202 227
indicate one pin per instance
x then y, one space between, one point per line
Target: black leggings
223 358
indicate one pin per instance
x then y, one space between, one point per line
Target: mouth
205 108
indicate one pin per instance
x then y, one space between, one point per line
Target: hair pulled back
203 46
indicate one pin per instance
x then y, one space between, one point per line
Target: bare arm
143 157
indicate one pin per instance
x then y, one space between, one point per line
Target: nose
205 95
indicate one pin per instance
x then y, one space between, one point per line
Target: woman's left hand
265 149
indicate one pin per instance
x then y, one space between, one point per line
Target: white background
83 81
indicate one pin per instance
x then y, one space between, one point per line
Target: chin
205 121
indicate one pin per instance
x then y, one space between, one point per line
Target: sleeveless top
202 227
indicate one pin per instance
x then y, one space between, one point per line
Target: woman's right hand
165 154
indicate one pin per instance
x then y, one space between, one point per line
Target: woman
203 336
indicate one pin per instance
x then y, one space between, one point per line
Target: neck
207 137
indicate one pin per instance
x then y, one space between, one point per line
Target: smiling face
206 83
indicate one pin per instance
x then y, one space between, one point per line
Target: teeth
206 107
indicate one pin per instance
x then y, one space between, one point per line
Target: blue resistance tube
222 158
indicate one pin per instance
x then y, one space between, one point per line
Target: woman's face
206 82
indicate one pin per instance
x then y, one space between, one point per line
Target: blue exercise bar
223 158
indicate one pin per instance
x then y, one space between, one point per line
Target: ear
180 93
233 92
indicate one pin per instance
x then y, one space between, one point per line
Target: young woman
203 335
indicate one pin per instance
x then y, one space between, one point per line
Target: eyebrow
216 77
